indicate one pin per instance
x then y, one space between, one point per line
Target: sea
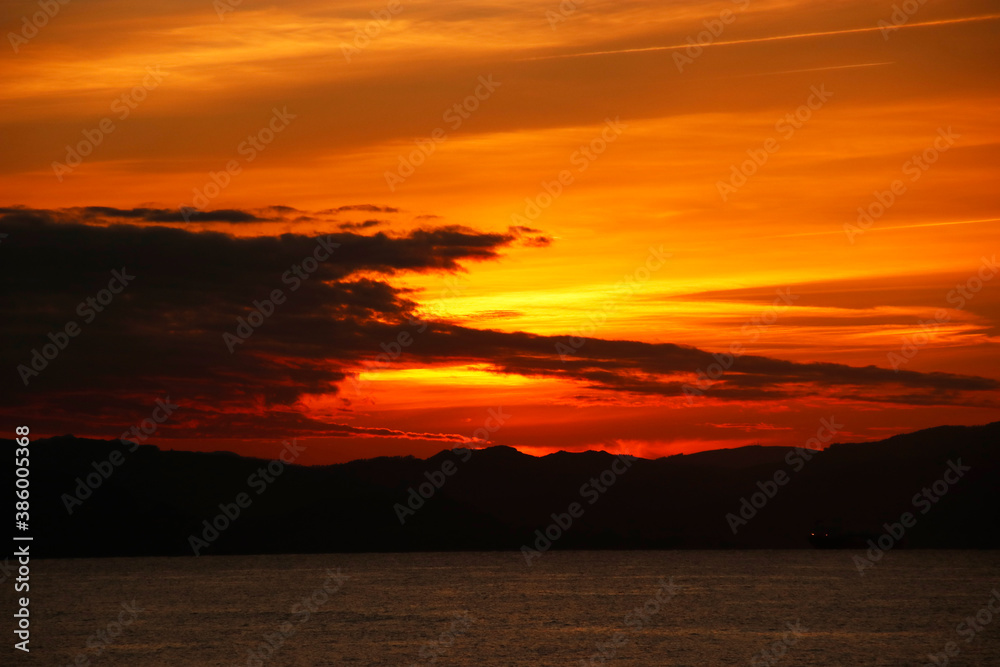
690 608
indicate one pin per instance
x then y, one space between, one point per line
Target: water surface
489 609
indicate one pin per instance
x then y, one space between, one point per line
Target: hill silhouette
154 501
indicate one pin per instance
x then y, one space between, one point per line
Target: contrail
814 69
886 228
755 40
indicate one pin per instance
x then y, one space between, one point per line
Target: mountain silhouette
153 502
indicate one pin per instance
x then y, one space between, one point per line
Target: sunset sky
566 209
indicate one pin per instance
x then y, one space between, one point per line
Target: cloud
493 315
106 214
524 234
169 215
369 208
900 301
276 213
663 369
367 224
163 335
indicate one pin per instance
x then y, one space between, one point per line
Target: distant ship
830 535
826 540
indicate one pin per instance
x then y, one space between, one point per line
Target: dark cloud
908 290
494 315
275 213
168 215
368 208
367 224
524 235
891 301
652 368
163 335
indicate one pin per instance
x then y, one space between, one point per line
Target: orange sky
686 118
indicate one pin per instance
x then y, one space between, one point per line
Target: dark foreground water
485 609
